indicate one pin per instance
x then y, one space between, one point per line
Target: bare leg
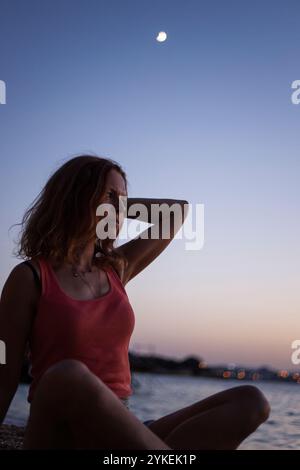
221 421
72 408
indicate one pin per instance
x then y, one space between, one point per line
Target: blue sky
205 116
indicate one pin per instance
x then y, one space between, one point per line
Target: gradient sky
205 116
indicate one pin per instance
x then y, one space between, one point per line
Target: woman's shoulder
28 273
21 281
34 263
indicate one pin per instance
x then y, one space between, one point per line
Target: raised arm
17 309
140 252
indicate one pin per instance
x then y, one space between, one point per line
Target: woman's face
115 187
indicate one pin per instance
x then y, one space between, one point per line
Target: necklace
77 273
81 275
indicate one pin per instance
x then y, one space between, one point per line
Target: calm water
156 395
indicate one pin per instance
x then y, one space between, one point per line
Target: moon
161 37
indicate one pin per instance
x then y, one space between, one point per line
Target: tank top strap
48 283
116 279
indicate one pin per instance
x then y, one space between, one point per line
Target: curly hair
62 218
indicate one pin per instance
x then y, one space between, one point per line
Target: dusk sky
205 116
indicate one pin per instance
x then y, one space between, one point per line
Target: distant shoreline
197 367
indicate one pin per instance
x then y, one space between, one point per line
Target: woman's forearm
151 210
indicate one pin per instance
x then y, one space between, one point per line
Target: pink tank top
96 332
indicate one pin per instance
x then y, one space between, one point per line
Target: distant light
283 373
202 365
161 37
226 374
255 376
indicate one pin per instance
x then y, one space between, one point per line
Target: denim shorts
149 421
125 402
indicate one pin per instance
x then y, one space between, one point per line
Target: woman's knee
62 373
66 382
254 402
65 368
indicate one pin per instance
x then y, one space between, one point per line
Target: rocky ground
11 437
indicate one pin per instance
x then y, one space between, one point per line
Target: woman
68 303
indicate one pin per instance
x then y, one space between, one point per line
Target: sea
156 395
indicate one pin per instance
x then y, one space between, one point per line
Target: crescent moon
161 37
